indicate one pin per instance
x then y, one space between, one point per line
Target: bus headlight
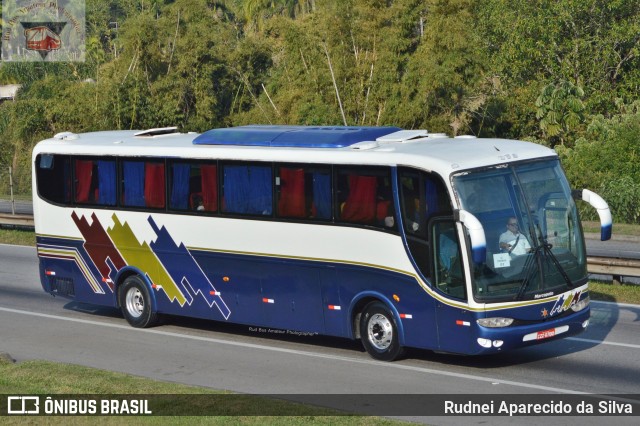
495 322
581 304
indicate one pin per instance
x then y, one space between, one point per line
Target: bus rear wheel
379 332
135 303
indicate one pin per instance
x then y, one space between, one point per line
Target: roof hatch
403 136
157 132
293 136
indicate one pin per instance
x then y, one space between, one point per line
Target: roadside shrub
622 195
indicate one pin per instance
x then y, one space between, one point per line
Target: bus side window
423 197
53 175
364 196
303 191
248 189
194 187
95 182
143 184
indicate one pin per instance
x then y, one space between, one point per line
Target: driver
512 241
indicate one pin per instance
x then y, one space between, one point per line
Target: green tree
344 59
256 12
591 43
560 110
446 86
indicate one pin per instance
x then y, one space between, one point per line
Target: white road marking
603 342
620 305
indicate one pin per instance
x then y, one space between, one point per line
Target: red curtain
154 185
382 210
292 200
360 205
84 171
209 179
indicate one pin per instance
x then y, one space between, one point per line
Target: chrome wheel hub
134 302
380 331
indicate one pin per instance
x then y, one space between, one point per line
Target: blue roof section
293 136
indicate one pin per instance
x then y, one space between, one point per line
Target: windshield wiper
530 269
544 249
547 251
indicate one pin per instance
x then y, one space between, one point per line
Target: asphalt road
34 325
21 207
621 246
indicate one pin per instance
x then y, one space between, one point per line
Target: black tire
135 303
379 332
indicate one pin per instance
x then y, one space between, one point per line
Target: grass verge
607 292
49 378
618 228
17 237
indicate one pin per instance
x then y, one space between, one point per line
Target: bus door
426 208
454 321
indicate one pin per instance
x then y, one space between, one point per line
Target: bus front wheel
379 332
135 303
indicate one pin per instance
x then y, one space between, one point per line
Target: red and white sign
545 334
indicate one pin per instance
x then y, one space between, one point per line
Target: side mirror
601 206
476 234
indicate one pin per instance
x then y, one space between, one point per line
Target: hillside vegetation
563 73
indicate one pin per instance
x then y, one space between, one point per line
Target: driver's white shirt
510 238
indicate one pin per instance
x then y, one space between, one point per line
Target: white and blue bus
399 238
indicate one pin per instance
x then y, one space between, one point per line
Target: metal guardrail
615 267
21 220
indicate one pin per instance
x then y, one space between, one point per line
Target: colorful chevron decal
141 256
100 248
170 267
184 269
72 254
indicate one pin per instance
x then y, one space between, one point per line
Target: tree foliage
561 72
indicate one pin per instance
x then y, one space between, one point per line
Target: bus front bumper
493 340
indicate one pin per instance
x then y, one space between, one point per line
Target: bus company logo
565 302
23 405
37 30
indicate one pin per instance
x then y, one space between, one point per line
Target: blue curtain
236 189
107 183
431 190
248 190
322 195
260 190
180 186
134 183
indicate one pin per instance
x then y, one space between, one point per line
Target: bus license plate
545 334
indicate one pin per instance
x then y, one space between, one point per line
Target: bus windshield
534 240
